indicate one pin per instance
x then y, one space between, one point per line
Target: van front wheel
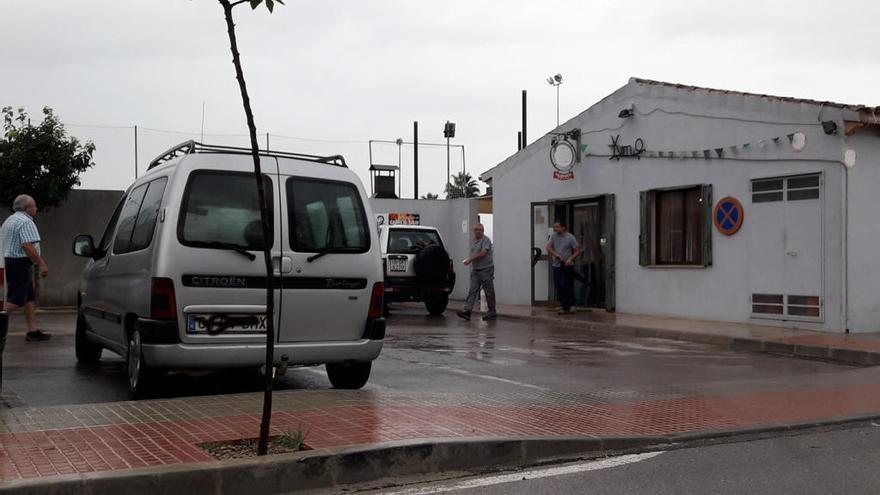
350 376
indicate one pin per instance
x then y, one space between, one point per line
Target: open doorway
591 221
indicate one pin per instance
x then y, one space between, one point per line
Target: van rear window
223 207
326 215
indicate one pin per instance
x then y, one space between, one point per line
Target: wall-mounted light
625 113
829 126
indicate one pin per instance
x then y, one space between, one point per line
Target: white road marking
490 377
583 467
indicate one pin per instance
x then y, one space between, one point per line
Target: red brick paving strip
52 452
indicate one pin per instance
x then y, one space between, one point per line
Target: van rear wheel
140 376
349 376
86 350
436 304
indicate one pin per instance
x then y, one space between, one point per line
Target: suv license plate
398 265
226 324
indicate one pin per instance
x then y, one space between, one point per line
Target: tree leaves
270 4
462 186
40 160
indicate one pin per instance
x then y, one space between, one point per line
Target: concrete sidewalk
860 349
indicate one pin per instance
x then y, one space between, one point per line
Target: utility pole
135 152
556 81
399 168
416 159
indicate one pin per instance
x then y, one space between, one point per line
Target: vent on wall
779 306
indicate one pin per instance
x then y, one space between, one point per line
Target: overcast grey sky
354 70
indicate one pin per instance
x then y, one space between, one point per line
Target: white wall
864 234
718 292
447 216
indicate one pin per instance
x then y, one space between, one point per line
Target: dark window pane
767 298
804 300
127 218
767 197
111 226
767 185
767 309
799 194
679 226
146 220
410 241
803 311
223 207
803 182
326 214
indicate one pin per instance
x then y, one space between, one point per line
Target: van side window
104 246
326 214
145 224
223 207
127 218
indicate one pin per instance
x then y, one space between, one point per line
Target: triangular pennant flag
707 153
776 140
762 143
719 152
733 149
746 146
661 153
790 137
695 154
584 148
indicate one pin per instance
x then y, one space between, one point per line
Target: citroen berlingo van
178 281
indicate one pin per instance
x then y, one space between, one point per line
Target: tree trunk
264 220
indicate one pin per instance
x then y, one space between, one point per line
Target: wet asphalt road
835 461
422 353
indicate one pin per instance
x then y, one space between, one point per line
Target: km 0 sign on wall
728 215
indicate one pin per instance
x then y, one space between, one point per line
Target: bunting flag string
795 139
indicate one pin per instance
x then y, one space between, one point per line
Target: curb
326 468
823 353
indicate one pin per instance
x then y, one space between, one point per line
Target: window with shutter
676 226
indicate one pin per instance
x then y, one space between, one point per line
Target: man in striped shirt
21 252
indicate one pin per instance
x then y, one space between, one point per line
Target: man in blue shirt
20 241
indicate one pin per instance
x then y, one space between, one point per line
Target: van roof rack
191 147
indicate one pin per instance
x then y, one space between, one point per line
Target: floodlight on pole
556 81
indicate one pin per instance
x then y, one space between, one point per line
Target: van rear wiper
230 246
328 250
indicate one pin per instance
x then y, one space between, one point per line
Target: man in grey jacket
482 274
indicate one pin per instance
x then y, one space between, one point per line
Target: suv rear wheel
350 376
436 303
86 350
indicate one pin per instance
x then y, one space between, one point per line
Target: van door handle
282 264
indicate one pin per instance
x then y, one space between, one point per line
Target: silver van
177 281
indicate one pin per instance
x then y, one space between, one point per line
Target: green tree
431 196
265 422
40 160
462 186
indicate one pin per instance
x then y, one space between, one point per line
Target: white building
649 179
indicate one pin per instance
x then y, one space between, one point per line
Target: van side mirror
84 245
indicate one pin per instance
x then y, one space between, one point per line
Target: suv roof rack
191 147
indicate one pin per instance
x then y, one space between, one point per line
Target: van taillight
163 305
376 309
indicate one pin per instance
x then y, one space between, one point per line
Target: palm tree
462 186
431 196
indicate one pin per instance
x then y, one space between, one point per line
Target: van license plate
226 324
398 265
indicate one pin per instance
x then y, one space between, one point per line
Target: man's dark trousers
563 279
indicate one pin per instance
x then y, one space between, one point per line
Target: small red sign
563 175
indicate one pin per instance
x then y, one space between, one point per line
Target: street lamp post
399 168
556 81
448 133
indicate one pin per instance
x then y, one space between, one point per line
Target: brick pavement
49 441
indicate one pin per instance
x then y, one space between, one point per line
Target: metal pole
557 104
463 167
399 169
415 159
518 140
267 141
525 140
448 181
135 152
